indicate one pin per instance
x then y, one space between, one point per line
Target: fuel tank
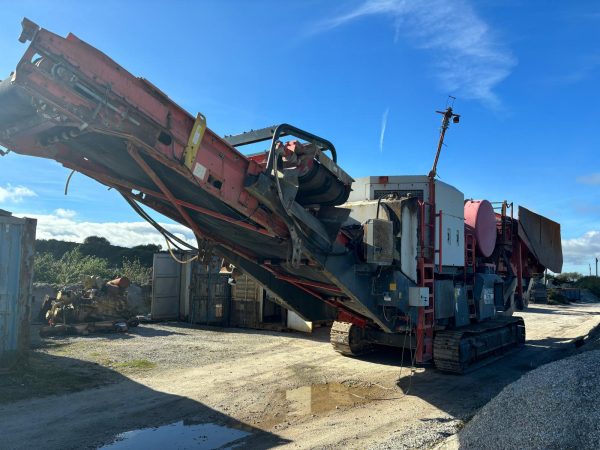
480 221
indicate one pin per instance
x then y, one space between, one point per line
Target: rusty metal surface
17 239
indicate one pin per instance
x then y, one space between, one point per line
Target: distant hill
101 248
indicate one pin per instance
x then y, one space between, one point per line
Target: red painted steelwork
425 267
165 190
307 290
165 210
259 158
314 284
65 80
440 234
345 316
98 174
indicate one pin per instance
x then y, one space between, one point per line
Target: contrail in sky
383 126
468 56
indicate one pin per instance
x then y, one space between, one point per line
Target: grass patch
135 364
40 375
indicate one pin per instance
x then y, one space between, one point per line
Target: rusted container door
17 240
210 297
246 303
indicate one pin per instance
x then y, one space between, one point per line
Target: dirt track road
278 388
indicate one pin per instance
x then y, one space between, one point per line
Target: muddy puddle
321 398
317 399
179 435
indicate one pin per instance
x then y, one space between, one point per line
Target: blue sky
367 75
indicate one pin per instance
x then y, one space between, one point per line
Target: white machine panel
448 199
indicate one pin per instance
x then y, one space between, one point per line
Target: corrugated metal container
194 292
166 280
210 299
17 244
246 302
572 294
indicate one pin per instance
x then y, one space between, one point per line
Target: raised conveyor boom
393 264
69 102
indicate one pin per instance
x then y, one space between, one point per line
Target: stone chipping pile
556 406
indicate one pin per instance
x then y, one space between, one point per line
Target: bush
100 248
556 298
592 284
568 277
136 271
70 268
74 265
45 268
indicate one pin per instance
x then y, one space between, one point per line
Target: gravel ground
285 389
554 406
170 346
421 434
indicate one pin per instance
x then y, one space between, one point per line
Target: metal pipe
448 114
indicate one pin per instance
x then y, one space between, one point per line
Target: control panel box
418 296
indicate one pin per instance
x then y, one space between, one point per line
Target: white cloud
592 179
65 213
15 194
583 249
64 225
383 127
470 61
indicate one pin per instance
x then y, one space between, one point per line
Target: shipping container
199 293
573 294
210 298
246 302
17 246
194 292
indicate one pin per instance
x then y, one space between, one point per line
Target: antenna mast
448 115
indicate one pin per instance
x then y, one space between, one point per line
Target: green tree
45 268
96 240
70 268
74 265
568 277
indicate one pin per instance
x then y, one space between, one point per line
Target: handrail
286 129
